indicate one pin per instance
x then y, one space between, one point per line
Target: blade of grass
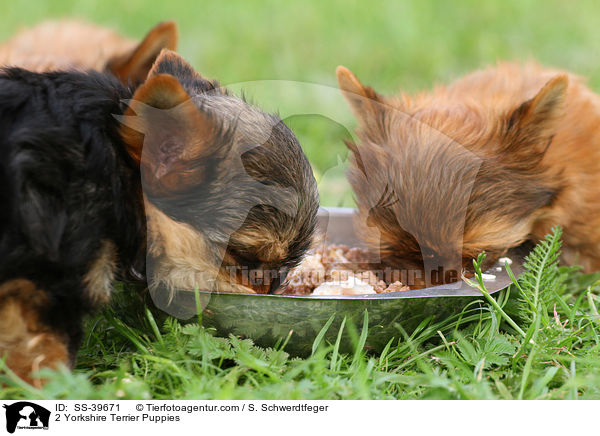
336 347
384 354
573 374
126 331
541 382
530 357
154 327
480 285
420 356
321 334
362 340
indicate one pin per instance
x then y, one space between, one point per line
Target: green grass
538 340
129 352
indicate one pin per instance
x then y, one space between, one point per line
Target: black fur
67 183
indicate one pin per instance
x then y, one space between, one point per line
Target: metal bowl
269 318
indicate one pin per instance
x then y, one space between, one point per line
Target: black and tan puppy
200 178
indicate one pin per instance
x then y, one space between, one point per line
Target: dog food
337 270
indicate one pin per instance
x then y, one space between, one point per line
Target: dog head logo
26 415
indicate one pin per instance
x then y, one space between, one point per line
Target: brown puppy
496 158
71 44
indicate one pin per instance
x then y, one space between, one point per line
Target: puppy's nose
277 281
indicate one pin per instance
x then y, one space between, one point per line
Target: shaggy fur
71 44
497 158
74 180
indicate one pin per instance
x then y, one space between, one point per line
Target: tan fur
64 44
71 44
184 260
163 95
134 65
98 281
26 343
523 122
270 247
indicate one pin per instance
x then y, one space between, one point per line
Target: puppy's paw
26 343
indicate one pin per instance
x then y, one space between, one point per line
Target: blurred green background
391 45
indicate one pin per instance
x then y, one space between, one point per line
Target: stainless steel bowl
269 318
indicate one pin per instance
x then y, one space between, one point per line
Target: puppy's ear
134 66
168 135
363 100
531 124
169 62
366 105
